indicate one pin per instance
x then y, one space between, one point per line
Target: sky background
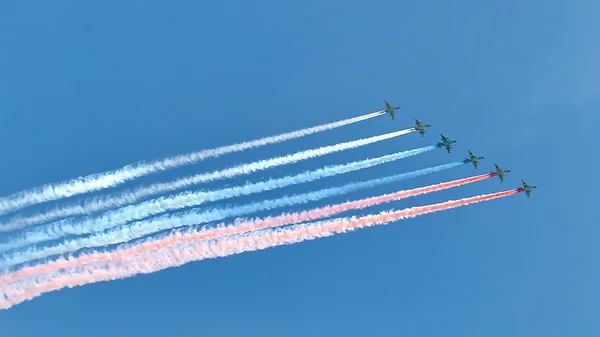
89 87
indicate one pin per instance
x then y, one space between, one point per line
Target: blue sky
88 87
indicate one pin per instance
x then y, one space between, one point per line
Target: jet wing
501 176
444 138
471 154
497 167
475 164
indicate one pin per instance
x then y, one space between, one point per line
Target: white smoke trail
129 197
97 182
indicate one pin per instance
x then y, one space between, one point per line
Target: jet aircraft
421 127
500 172
390 109
472 159
526 188
447 143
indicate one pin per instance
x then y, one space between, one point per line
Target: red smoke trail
177 256
239 228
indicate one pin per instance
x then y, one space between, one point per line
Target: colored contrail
161 205
129 197
198 216
196 251
100 181
215 232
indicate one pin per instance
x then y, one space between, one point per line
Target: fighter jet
390 109
421 127
500 172
472 159
447 143
526 188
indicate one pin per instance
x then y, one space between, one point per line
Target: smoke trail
185 253
98 204
97 182
192 218
196 216
160 205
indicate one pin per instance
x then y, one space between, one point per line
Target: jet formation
447 144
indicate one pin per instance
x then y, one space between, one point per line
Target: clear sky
91 86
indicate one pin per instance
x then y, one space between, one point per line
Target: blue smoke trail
160 205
